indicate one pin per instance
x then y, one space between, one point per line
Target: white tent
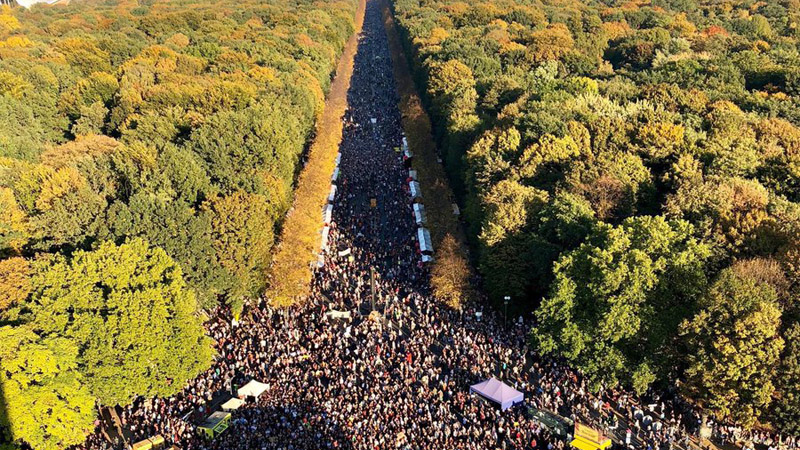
338 158
412 174
424 237
456 211
427 258
419 213
327 214
408 153
29 3
232 404
332 195
335 175
414 189
320 260
252 389
405 143
325 231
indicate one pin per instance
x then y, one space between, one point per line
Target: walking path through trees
396 378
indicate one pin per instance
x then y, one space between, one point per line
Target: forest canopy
148 153
629 173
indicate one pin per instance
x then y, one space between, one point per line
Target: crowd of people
393 370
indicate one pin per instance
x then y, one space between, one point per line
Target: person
394 379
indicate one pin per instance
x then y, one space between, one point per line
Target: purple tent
497 391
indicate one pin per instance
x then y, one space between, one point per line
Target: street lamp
506 299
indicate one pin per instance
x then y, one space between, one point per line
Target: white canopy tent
427 258
332 195
253 388
408 153
325 231
327 214
412 174
405 143
419 214
335 175
232 404
414 189
424 236
338 158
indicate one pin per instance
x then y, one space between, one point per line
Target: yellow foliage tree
14 281
450 274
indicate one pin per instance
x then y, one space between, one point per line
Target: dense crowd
399 377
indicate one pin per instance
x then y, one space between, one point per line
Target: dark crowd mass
397 378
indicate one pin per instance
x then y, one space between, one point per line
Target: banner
588 433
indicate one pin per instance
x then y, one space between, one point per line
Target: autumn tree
242 236
14 282
734 345
450 274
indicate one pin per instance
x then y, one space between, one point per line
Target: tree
617 300
13 85
727 210
733 347
13 223
129 313
235 146
508 206
14 282
45 403
615 184
91 121
183 233
452 87
566 220
242 235
97 88
786 410
450 274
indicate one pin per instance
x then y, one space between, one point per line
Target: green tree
733 347
45 402
613 296
130 314
235 146
183 233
